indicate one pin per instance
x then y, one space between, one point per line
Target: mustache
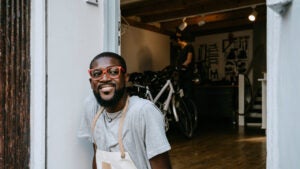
106 84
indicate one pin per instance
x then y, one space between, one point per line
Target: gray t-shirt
143 131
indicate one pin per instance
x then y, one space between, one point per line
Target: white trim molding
38 85
111 13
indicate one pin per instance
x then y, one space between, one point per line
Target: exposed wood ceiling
165 15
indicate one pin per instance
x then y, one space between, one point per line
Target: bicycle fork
174 104
174 109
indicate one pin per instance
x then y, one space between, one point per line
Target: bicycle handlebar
140 86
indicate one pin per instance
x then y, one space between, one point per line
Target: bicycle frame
171 92
167 102
147 94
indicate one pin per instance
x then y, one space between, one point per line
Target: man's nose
105 77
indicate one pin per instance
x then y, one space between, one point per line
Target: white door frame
38 84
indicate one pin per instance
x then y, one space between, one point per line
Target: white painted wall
73 40
145 50
283 39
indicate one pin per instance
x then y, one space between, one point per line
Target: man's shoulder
141 105
90 105
141 110
138 101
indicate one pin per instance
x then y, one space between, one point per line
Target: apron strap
99 112
123 114
120 140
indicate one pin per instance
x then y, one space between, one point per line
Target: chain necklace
111 116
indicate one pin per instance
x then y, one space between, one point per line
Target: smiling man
127 132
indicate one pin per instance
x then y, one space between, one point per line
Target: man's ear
91 84
126 77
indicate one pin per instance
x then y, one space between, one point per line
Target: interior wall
73 40
144 50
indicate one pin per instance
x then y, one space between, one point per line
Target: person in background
127 132
185 62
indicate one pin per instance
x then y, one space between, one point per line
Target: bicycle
189 125
182 109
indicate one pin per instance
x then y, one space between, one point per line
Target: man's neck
120 105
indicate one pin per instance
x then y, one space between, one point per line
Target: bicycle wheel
185 123
160 106
193 111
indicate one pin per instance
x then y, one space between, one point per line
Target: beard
113 101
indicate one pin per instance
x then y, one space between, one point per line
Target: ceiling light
202 21
253 15
183 25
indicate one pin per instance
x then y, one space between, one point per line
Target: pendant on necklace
112 117
109 119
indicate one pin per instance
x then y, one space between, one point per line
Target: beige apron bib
113 160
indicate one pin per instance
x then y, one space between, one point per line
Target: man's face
108 89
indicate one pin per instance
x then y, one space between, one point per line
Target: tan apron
113 160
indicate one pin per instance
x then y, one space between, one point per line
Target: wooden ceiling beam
221 15
147 27
222 26
209 18
218 17
150 7
199 9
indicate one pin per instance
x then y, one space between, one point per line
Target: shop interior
229 74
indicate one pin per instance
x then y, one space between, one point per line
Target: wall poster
236 54
222 57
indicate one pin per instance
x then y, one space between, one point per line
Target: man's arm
161 161
188 59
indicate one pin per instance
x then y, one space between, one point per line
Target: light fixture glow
183 25
202 21
253 15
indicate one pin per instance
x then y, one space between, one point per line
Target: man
186 62
126 131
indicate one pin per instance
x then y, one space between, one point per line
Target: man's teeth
106 88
